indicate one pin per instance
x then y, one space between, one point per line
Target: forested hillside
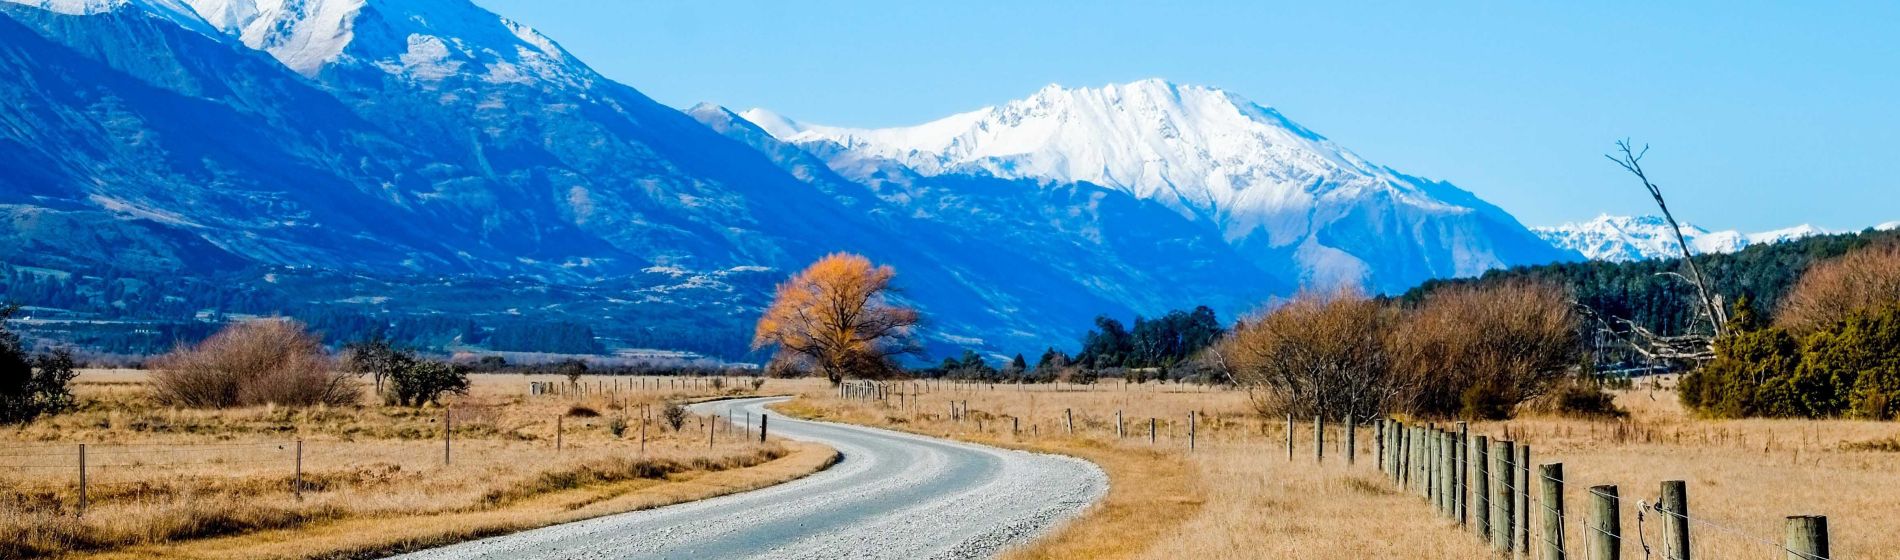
1650 294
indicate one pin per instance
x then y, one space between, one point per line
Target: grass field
1236 495
193 483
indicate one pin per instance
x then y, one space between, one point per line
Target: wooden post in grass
1481 486
1319 439
559 421
1289 436
1151 430
1015 425
446 429
1552 477
711 428
82 479
1806 537
1606 533
1378 443
1503 496
1442 461
762 419
643 434
1461 483
1523 504
296 482
1352 439
1675 520
1068 421
1118 425
1191 423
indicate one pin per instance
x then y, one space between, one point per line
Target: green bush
31 386
1851 368
425 381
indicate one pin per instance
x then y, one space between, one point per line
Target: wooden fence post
1806 537
1523 505
296 482
1552 477
1461 480
1289 436
559 426
1192 422
1068 420
1352 439
1503 496
1607 535
1319 439
1119 434
1151 430
1378 443
1403 455
1675 519
1447 467
1481 486
762 420
446 429
83 500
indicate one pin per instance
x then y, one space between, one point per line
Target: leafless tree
1631 160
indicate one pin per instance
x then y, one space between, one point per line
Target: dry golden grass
159 476
1237 495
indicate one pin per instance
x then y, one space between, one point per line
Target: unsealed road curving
894 495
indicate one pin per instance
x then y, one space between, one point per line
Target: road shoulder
375 538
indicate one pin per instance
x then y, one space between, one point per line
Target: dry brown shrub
1317 354
1862 279
269 361
1480 351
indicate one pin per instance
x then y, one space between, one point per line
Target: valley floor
1236 494
169 483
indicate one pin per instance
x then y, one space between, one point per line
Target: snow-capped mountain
1631 238
437 155
1276 190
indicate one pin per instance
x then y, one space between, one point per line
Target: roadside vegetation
257 444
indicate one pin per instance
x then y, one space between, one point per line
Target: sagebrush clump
252 363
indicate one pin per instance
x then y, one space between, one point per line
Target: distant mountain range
393 160
1627 238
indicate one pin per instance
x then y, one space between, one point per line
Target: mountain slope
370 161
1288 199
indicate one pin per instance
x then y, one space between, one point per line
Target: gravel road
894 495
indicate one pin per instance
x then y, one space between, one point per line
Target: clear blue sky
1761 116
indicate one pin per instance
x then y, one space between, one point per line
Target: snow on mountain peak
1200 150
173 10
1631 238
427 40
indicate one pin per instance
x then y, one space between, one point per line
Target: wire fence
1489 490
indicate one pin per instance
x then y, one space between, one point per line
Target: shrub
757 382
718 383
617 426
1481 351
30 387
1579 396
1827 293
268 361
425 381
582 411
1318 354
675 415
1851 367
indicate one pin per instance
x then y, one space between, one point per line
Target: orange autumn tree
835 316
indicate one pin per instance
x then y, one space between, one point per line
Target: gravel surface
894 495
